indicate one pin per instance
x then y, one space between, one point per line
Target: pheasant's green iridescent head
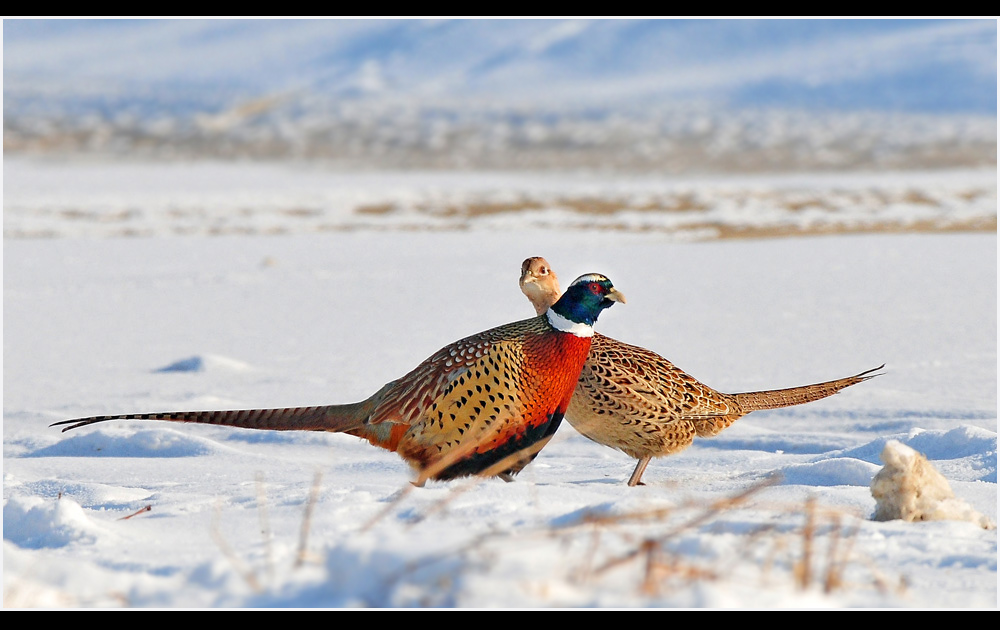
583 301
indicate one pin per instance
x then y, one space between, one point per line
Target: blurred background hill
660 96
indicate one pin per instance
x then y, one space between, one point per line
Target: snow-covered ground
311 316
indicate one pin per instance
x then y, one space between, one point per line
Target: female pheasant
636 401
484 405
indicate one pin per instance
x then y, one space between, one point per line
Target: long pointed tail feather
334 418
328 418
774 399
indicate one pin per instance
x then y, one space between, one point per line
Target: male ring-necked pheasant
636 401
484 405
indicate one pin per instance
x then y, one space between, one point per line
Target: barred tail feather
774 399
328 418
334 418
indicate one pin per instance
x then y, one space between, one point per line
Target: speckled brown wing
482 399
638 402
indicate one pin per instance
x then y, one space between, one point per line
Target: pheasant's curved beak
615 295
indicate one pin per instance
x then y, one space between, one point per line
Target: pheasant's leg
637 473
506 477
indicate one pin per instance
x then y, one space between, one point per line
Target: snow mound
144 443
968 452
205 363
36 523
840 471
963 441
93 496
909 488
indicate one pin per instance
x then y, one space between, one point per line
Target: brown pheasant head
539 283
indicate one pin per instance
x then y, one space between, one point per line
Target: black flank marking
481 461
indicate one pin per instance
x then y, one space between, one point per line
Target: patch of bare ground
708 231
301 212
376 209
972 195
591 206
725 232
806 204
594 214
481 209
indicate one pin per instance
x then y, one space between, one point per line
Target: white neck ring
562 324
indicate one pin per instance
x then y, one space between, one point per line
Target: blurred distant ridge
660 96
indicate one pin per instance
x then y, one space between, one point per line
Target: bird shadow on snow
575 517
799 445
607 481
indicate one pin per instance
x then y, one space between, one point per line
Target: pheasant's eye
543 271
596 288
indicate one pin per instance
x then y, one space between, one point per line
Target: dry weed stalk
710 512
758 537
496 469
395 500
840 551
307 519
836 562
248 576
265 527
148 508
658 564
801 570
